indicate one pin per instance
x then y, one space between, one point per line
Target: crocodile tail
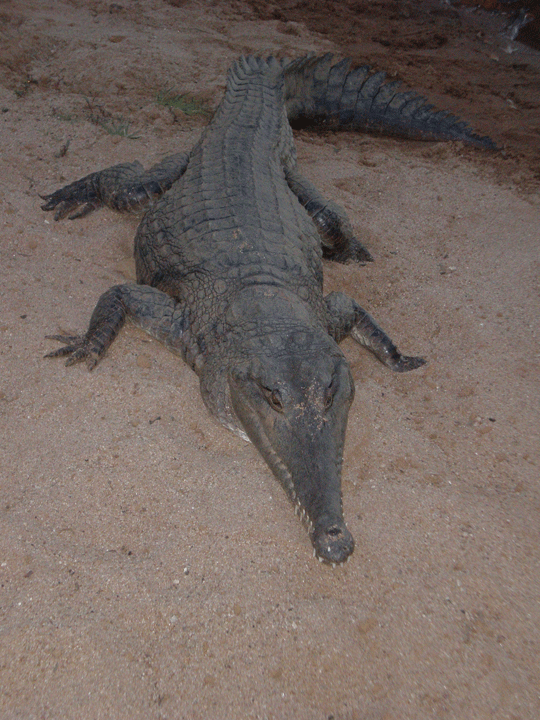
248 65
321 93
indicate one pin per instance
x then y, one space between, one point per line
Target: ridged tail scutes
247 66
322 93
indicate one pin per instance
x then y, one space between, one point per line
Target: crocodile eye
275 401
329 393
273 398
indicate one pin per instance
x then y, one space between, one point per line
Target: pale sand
150 564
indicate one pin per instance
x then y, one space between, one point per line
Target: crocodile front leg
330 219
125 188
347 318
150 309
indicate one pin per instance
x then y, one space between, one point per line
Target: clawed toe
82 212
64 208
73 201
64 338
75 347
408 363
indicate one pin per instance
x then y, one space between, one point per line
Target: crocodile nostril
334 532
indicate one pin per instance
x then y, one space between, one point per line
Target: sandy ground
150 565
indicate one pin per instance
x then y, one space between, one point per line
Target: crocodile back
231 221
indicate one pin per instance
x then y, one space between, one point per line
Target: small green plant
65 117
119 127
188 105
24 88
98 115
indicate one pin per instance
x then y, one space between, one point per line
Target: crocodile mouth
300 435
332 541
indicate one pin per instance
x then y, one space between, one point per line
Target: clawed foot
404 363
81 194
78 349
368 333
351 249
359 253
64 205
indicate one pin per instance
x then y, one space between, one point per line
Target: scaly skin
229 274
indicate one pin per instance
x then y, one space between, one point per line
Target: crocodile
229 268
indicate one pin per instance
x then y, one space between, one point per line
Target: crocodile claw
77 348
75 200
406 363
64 206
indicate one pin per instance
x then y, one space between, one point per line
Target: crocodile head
293 405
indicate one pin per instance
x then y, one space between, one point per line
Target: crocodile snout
332 544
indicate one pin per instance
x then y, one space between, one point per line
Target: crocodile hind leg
150 309
347 318
330 219
125 188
